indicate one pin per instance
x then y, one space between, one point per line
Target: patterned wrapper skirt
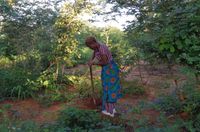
111 83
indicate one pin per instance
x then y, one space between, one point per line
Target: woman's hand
94 61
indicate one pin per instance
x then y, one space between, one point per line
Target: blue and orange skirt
111 83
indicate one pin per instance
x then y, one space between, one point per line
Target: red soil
30 109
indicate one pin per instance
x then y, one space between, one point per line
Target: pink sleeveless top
103 50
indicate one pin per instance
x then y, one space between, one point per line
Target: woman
109 75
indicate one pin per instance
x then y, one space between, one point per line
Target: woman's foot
114 111
107 113
112 115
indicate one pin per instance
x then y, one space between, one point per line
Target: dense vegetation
41 41
38 43
167 29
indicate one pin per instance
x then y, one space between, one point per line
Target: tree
37 40
166 29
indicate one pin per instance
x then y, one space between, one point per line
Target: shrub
73 117
14 83
83 85
191 102
185 99
196 122
170 104
47 88
132 88
87 120
70 120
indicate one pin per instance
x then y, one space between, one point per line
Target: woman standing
109 75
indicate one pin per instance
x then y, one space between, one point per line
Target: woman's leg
104 104
114 105
110 107
107 107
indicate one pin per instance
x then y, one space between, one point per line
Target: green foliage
87 120
4 118
197 122
168 128
46 81
25 126
185 99
136 110
37 43
14 83
47 88
79 118
192 97
170 104
132 88
84 55
165 29
83 85
122 51
26 42
20 126
70 119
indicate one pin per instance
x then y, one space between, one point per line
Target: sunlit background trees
39 40
42 41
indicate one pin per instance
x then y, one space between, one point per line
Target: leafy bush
25 126
190 98
70 119
14 83
87 120
5 121
132 88
196 122
170 104
123 53
85 55
48 87
15 73
83 85
185 99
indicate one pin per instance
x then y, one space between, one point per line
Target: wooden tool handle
91 77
